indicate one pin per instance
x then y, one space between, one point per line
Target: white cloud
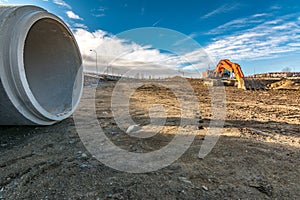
78 25
157 22
269 37
100 12
3 1
286 26
99 15
275 7
294 44
260 15
123 55
72 15
265 40
222 9
239 23
62 3
111 48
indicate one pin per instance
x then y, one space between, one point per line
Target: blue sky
261 36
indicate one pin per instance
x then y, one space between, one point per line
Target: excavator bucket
241 84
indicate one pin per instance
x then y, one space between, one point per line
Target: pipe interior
51 62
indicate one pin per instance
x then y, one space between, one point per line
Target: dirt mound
285 84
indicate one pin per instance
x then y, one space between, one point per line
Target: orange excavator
227 65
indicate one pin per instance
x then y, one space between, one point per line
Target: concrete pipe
41 76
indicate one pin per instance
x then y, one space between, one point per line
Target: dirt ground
257 156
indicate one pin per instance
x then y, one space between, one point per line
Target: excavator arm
232 67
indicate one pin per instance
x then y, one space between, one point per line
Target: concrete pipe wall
41 76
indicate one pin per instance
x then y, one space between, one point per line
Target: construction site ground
256 157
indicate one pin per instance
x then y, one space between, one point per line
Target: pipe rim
38 114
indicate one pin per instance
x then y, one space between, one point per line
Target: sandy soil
257 156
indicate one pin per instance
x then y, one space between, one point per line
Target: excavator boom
232 67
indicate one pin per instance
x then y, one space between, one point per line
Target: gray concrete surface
41 76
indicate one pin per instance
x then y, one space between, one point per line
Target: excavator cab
226 74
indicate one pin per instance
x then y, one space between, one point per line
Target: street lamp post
96 60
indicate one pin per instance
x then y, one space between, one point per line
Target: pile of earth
285 84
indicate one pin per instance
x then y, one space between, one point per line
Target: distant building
208 74
276 75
